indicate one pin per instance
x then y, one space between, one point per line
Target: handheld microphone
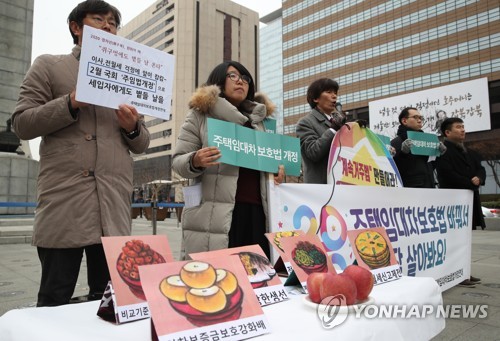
338 106
340 117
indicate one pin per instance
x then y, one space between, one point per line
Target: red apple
314 282
339 284
363 279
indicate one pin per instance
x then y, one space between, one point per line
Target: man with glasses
85 179
415 170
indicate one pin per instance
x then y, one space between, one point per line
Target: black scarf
403 131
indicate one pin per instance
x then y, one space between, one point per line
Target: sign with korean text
124 256
201 299
424 143
359 157
114 70
261 273
386 140
373 251
245 147
466 100
270 125
429 229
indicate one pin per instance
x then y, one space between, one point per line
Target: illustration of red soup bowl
136 253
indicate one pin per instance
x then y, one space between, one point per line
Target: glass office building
377 49
271 70
200 34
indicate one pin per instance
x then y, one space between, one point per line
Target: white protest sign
467 100
429 229
114 70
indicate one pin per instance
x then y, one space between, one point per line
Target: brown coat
85 180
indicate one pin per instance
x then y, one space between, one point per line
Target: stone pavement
20 274
20 267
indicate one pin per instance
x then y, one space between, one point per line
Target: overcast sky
50 30
51 33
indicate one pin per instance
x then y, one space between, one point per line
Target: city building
16 25
18 171
200 34
379 49
271 70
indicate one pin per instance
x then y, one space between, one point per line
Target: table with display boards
289 320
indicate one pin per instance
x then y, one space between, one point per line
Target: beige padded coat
206 227
85 180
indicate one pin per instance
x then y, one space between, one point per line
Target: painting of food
134 254
203 294
283 234
373 249
309 257
258 268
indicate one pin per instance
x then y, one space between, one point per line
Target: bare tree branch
493 164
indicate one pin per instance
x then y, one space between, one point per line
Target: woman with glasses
233 206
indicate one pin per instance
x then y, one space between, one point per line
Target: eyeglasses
235 77
417 117
100 21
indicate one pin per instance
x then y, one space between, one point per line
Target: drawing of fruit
198 275
207 300
203 294
283 234
136 253
174 288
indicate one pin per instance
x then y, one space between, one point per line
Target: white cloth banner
430 229
466 100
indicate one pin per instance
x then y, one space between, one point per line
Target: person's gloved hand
442 148
362 123
392 151
406 146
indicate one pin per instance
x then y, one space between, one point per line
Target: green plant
491 204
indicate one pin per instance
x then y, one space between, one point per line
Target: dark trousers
248 227
60 269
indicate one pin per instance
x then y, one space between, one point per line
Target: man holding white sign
85 179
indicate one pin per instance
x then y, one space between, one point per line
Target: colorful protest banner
114 70
430 229
245 147
467 100
124 256
424 144
358 157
